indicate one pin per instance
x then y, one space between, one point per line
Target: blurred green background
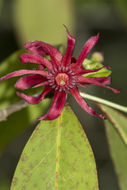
29 20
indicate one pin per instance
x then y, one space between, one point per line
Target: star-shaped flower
60 74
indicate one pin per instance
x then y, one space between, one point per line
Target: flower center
62 79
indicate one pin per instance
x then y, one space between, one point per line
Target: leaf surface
118 148
57 157
93 64
118 120
118 151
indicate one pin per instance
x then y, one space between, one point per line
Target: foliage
116 130
94 64
57 156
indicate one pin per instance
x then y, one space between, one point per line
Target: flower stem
103 101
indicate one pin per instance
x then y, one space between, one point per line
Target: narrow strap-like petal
34 58
43 48
82 71
41 84
95 81
86 49
33 99
70 47
103 80
28 81
83 104
24 72
40 67
56 107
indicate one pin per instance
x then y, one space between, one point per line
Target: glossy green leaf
101 73
90 64
19 121
57 157
118 148
44 20
118 120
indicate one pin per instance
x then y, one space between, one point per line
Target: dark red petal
33 99
24 72
70 47
41 84
103 80
83 104
40 67
73 60
34 58
86 49
26 82
56 107
43 48
94 81
82 71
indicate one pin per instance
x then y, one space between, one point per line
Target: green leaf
57 156
90 64
118 148
118 120
43 21
118 152
19 121
101 73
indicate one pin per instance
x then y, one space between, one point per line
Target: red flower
60 74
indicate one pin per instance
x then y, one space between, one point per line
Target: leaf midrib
58 142
116 125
